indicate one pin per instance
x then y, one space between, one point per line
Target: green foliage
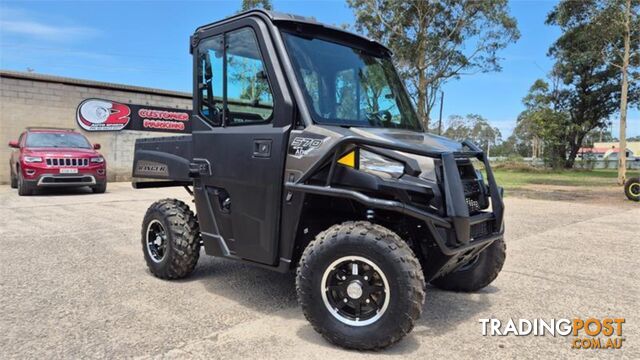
520 177
253 4
585 82
522 141
436 41
473 127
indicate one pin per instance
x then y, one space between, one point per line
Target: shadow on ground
84 190
443 311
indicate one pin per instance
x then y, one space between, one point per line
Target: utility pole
622 154
440 117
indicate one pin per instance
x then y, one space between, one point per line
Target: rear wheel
478 273
170 239
360 286
632 189
14 180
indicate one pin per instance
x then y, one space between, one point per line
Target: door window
234 60
210 79
248 91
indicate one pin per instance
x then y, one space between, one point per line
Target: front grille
481 229
473 205
67 162
474 192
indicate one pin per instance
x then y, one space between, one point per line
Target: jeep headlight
373 163
97 160
31 159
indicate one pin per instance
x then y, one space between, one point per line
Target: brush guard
459 235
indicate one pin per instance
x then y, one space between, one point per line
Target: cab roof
301 24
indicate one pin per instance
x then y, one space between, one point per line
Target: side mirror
14 144
96 146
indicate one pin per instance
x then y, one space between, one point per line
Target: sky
146 43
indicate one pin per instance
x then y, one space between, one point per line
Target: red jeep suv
56 158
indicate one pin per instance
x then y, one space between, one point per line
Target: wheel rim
634 189
355 291
156 241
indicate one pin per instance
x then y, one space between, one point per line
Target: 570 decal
301 146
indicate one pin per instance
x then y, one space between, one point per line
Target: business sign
107 115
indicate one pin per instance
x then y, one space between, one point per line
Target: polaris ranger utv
306 154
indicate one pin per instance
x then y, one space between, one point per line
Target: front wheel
24 188
360 286
101 188
478 273
632 189
170 239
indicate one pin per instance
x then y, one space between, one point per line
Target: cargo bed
163 158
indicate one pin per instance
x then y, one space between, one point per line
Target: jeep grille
67 162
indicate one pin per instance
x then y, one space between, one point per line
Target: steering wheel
380 118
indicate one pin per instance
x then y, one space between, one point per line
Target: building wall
40 100
631 145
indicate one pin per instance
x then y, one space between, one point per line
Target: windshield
346 86
60 140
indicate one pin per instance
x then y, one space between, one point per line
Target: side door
241 125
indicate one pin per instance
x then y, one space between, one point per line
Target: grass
515 179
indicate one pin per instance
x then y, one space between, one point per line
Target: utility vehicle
632 188
306 154
49 157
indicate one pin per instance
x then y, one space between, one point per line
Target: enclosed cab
307 155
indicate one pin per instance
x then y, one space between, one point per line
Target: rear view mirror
14 144
96 146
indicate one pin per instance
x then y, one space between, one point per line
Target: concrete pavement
73 284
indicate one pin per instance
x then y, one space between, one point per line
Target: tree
524 141
585 85
252 4
593 58
473 127
545 118
436 41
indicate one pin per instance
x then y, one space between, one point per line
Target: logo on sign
103 115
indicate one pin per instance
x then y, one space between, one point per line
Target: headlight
373 163
97 160
32 159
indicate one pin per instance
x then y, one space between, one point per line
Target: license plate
68 171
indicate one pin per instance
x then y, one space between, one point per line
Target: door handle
198 168
262 148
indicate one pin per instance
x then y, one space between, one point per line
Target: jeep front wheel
360 286
24 188
170 239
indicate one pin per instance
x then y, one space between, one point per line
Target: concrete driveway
73 283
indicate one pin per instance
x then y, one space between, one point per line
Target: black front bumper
458 235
